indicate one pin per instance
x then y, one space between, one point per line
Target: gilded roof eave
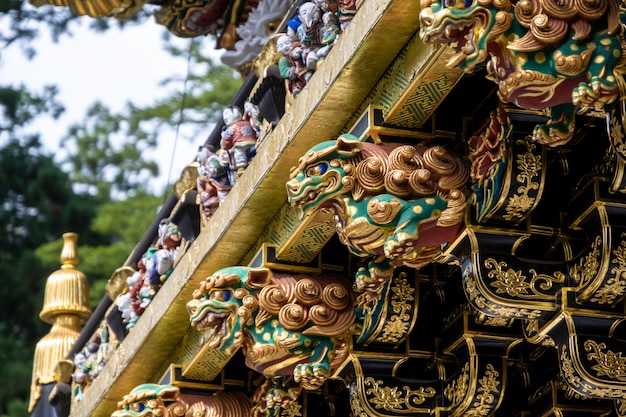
376 35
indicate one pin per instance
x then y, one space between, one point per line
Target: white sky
114 67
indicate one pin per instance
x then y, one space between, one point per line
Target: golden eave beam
367 47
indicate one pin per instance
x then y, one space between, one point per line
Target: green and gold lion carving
394 204
291 328
565 56
154 400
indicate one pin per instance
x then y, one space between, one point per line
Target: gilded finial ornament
66 307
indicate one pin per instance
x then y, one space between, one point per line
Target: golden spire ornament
66 307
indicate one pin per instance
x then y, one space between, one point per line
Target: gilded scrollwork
398 325
516 284
620 407
615 287
355 402
485 399
608 363
396 399
529 166
293 409
489 308
587 267
581 385
616 131
456 390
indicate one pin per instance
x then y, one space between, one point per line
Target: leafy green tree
119 225
102 191
108 153
38 205
21 23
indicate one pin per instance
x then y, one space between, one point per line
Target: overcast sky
114 67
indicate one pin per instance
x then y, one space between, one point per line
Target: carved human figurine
330 30
252 114
125 302
346 12
164 258
291 328
310 35
213 182
290 65
238 138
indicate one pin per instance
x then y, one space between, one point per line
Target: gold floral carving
620 407
496 321
582 387
355 403
588 266
292 410
515 284
396 399
457 389
617 133
615 287
485 399
529 166
493 309
609 363
398 324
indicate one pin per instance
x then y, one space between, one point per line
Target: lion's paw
312 375
595 94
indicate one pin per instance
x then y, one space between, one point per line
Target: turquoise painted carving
291 328
395 204
543 54
147 400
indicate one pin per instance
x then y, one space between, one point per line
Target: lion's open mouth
460 36
311 193
215 325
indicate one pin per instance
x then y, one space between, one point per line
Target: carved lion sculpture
153 400
396 204
291 328
544 54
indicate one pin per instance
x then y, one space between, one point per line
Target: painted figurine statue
214 180
291 328
396 204
239 139
153 269
542 54
290 65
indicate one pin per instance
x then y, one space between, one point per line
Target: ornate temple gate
411 238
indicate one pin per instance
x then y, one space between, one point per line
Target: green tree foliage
103 190
109 153
208 88
119 226
21 23
38 205
107 156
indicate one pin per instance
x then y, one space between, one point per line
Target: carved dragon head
466 25
224 302
322 174
147 400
